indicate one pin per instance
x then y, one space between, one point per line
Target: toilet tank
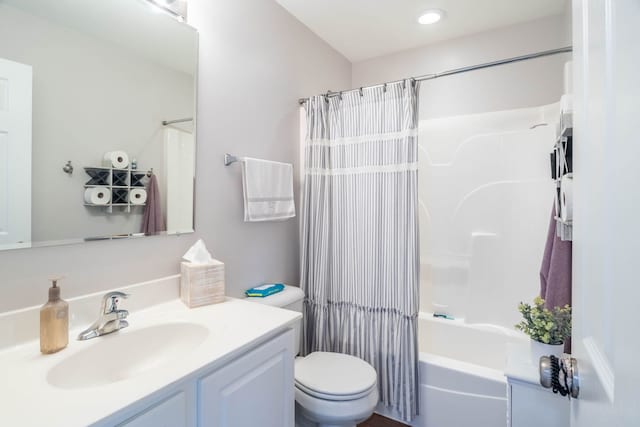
290 298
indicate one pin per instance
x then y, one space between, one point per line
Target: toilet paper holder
68 168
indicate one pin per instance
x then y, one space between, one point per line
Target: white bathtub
462 380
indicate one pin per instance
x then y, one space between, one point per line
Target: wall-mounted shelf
120 182
562 162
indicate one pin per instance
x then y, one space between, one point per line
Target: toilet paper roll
138 196
116 160
97 195
568 77
566 198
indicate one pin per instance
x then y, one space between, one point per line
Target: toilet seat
334 376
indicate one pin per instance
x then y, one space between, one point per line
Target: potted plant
548 329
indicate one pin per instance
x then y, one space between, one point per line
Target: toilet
331 389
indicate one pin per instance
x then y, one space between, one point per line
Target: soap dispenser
54 322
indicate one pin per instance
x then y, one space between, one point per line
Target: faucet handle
110 301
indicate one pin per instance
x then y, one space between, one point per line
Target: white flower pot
539 349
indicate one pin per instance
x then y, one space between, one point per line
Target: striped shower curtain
360 260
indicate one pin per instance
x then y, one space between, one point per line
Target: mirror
97 101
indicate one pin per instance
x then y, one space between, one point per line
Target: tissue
201 277
198 254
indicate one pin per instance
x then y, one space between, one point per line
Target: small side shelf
119 182
562 165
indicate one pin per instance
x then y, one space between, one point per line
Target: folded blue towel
265 290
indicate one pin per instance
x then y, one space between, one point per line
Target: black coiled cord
556 368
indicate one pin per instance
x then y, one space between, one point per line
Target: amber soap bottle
54 322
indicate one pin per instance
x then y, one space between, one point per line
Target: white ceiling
363 29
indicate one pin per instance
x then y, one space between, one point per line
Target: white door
171 412
256 389
606 257
15 155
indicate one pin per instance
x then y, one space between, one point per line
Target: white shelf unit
119 181
564 166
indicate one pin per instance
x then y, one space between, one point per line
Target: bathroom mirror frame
161 17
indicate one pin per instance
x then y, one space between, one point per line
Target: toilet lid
334 376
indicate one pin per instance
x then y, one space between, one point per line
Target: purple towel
555 272
152 221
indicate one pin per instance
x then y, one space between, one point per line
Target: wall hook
68 168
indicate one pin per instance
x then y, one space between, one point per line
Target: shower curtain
360 260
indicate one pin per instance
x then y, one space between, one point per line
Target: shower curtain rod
170 122
541 54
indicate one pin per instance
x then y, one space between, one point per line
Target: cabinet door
171 412
533 406
255 390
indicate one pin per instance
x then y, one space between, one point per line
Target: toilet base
312 412
301 421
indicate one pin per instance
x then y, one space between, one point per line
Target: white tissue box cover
202 284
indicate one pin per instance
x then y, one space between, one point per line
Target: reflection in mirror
97 100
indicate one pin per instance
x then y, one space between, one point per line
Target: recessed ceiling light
431 17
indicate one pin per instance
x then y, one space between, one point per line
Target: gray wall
89 96
255 62
525 84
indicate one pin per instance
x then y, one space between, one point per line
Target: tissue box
202 284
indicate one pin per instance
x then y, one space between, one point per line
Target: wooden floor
380 421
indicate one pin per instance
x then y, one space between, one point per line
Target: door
171 412
15 155
606 285
254 390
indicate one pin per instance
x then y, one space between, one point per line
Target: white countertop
28 400
520 367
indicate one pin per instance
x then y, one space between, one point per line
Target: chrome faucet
111 318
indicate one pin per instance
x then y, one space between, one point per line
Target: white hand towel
268 190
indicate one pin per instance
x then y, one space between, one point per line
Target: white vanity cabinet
174 411
528 403
256 388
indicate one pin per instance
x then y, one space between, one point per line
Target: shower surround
484 192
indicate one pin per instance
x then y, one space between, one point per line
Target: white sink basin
125 354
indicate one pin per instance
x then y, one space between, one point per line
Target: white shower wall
485 201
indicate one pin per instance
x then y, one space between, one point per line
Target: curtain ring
340 95
384 88
413 82
361 94
404 84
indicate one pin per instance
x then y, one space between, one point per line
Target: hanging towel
152 221
268 190
555 272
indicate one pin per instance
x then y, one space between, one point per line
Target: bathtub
462 381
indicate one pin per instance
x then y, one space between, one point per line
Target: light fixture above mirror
176 8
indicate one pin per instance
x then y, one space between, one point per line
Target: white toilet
332 389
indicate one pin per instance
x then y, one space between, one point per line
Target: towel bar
228 159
